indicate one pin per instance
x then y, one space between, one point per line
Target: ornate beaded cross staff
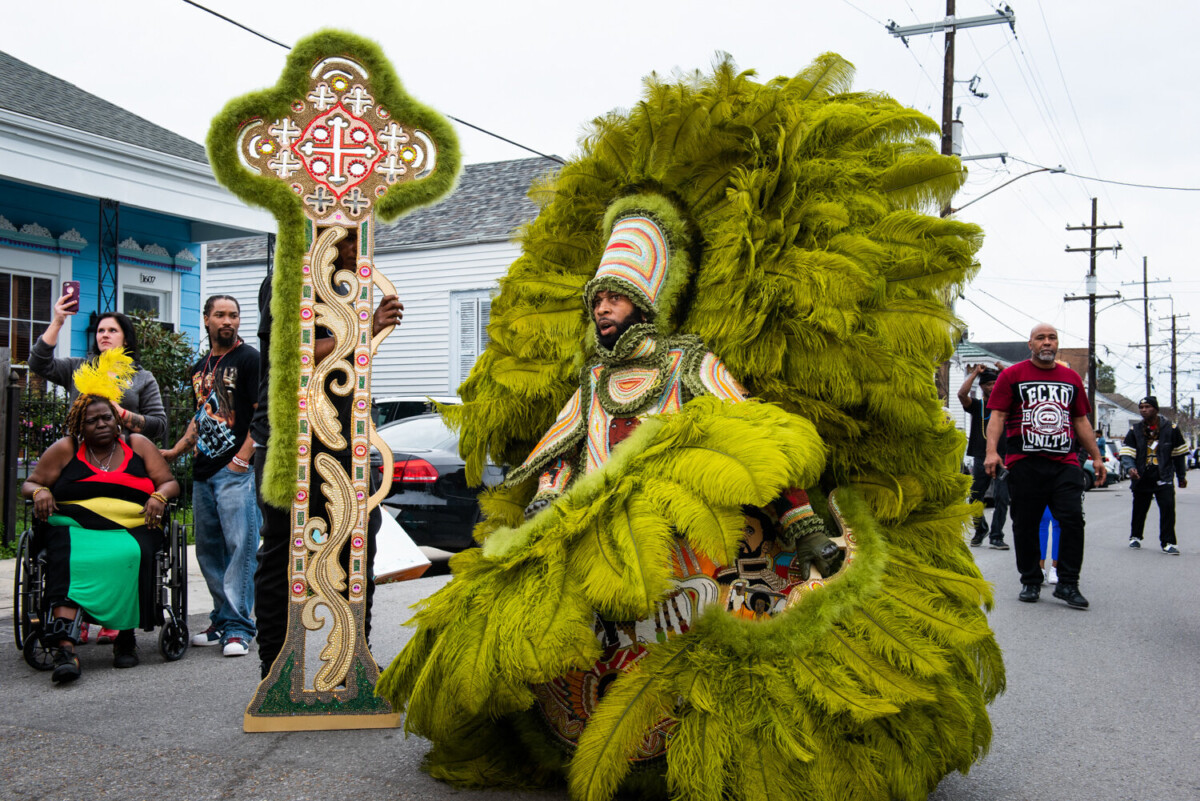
335 143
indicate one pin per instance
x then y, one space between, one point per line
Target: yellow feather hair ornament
108 377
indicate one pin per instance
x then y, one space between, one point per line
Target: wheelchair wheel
25 592
172 639
38 656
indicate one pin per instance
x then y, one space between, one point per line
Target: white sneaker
1051 575
210 636
236 646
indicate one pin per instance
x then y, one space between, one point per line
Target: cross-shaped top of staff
336 142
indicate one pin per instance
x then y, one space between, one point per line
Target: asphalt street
1101 704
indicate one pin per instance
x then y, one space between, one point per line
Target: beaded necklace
209 378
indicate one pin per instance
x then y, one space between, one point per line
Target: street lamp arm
1059 168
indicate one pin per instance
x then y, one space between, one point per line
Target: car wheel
1089 481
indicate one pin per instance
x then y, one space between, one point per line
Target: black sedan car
429 486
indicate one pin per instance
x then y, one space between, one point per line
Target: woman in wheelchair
102 502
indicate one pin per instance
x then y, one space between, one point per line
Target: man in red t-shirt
1040 408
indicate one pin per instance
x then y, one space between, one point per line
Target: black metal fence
39 412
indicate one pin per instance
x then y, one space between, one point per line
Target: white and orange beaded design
637 255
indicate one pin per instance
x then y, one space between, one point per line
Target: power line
261 35
505 139
1023 312
238 24
997 319
1118 183
866 14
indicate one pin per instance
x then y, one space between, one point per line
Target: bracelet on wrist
36 491
240 462
159 496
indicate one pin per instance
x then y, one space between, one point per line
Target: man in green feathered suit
638 373
639 615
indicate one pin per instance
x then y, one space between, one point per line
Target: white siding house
445 261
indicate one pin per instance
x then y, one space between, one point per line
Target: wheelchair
170 595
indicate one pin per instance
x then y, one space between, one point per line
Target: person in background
140 409
225 381
977 450
1040 407
1154 454
1048 539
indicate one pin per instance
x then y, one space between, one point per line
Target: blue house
93 193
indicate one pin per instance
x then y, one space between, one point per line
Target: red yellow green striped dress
99 551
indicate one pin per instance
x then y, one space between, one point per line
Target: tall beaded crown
646 257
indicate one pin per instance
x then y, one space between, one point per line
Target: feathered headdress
108 377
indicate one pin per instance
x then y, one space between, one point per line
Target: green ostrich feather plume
277 197
821 280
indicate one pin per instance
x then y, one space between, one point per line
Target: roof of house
29 91
973 352
1122 401
1011 352
489 202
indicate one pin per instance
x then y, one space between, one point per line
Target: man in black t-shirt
977 450
227 519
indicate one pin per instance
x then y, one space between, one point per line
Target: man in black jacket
1154 454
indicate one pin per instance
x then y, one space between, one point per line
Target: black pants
980 481
1164 494
272 591
1035 483
999 508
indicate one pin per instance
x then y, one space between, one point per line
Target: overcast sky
1106 89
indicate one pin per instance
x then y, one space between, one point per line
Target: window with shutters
469 314
26 307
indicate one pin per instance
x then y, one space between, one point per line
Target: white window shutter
485 316
468 337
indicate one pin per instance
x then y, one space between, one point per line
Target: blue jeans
227 523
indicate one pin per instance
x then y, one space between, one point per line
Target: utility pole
1174 368
949 26
1175 361
1146 316
1091 297
1145 299
948 92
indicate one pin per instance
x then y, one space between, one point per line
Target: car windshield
420 433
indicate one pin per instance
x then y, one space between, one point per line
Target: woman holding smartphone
141 408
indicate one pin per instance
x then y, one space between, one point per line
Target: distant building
445 260
93 193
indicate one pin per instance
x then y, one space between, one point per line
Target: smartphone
71 290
